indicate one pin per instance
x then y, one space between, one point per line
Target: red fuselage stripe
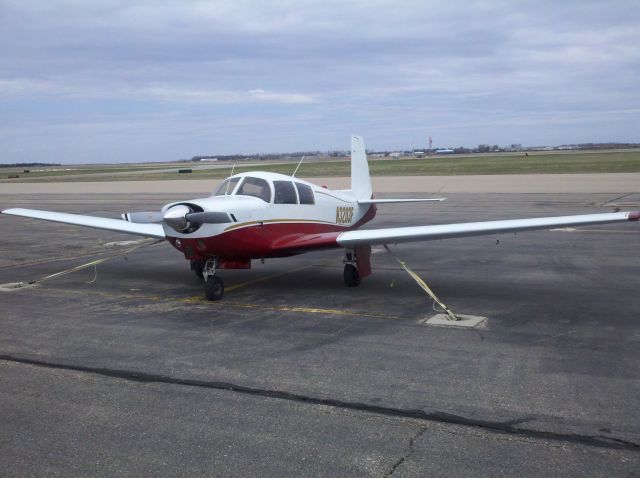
266 239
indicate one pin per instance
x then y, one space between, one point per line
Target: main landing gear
213 285
351 274
357 265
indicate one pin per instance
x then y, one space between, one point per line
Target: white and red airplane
258 215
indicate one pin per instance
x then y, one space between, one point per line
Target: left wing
118 225
445 231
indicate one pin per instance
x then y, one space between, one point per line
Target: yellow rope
89 264
423 285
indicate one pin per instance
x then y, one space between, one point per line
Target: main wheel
351 275
197 267
214 288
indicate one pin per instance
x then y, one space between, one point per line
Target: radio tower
430 144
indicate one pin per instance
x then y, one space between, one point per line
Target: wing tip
633 215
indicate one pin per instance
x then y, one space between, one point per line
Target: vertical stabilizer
360 179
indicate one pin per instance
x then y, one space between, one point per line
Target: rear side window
285 192
305 193
255 187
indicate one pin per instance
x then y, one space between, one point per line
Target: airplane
258 215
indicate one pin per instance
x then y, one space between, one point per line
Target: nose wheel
214 288
213 285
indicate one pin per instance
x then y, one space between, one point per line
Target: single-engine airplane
260 215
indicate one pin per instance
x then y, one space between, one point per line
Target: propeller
180 217
208 217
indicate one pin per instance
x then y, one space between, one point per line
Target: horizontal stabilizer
394 201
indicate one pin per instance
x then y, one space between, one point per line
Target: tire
214 288
197 267
351 275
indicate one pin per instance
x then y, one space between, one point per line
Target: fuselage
265 211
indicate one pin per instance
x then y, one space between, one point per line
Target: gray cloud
118 80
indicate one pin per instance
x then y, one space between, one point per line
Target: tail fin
360 179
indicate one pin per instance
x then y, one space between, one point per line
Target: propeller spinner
180 217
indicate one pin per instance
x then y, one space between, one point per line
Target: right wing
117 225
445 231
296 243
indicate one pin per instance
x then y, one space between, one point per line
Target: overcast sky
111 81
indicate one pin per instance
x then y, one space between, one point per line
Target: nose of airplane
176 217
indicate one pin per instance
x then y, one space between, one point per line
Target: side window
305 193
226 187
255 187
285 193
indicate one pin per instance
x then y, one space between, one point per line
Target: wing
393 201
445 231
147 230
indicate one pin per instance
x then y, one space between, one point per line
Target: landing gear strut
197 266
213 285
351 274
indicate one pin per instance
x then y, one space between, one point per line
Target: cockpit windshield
227 187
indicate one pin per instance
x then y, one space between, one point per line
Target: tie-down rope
88 264
423 285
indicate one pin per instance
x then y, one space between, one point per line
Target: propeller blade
208 217
180 218
143 217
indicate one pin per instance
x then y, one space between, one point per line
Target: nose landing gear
213 285
197 266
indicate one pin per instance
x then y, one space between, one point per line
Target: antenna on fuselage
229 181
294 173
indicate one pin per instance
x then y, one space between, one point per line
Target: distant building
395 154
418 154
444 151
208 159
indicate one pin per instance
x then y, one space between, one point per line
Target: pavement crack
408 452
618 198
417 414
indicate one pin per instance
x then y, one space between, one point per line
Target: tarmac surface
126 370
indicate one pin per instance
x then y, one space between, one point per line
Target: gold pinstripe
250 223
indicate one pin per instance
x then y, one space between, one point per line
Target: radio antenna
229 180
294 173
